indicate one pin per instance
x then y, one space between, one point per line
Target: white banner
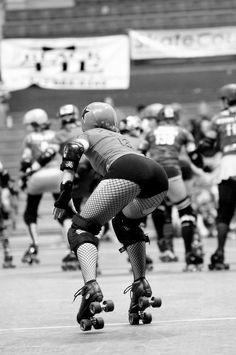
67 63
182 43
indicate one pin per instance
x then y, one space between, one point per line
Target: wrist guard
65 195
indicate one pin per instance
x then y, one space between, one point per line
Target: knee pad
85 224
76 239
29 217
128 231
186 213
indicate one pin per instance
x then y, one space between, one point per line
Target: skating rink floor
37 315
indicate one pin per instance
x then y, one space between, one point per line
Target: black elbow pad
196 158
72 153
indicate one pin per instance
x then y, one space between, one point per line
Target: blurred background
179 51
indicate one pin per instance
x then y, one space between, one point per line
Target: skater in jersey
163 144
132 187
84 179
5 209
40 172
221 138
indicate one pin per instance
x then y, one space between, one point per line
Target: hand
58 212
63 200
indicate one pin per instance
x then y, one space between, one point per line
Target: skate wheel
109 306
95 307
226 266
64 268
147 318
98 323
143 303
85 324
210 267
156 302
133 318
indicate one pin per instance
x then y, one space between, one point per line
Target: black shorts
145 172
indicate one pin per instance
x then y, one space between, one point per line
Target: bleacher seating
95 17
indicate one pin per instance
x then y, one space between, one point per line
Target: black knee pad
87 225
127 230
187 216
77 239
29 217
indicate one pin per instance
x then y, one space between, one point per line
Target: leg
226 208
126 225
30 218
107 200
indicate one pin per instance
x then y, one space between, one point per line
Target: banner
66 63
191 43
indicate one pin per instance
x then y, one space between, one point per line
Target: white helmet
36 117
99 115
68 114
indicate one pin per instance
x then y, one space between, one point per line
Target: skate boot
70 262
194 261
90 305
168 256
140 292
217 261
30 255
8 262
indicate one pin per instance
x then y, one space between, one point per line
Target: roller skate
91 305
30 256
140 292
168 256
217 261
194 261
8 262
70 262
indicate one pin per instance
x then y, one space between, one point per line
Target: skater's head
167 115
149 116
227 95
36 120
68 116
99 115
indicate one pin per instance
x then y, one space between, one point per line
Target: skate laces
127 289
77 293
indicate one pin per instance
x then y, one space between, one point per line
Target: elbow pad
46 156
196 158
206 144
72 153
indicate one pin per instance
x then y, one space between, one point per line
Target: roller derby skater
7 257
221 139
164 143
132 187
30 256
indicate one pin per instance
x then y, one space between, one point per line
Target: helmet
68 114
228 92
36 118
167 113
133 122
99 115
151 111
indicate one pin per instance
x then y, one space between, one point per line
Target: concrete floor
37 316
